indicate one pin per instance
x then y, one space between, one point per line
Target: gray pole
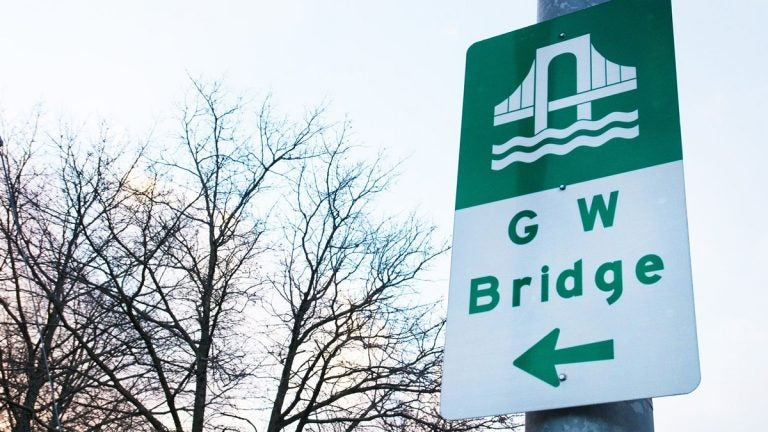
549 9
629 416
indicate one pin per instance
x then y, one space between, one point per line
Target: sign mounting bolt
562 187
562 35
562 377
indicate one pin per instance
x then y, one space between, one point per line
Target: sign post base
628 416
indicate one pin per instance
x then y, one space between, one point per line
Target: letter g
529 231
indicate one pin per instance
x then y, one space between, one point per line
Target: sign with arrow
570 275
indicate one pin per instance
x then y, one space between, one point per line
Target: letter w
598 208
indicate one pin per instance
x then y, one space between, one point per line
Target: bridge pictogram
596 78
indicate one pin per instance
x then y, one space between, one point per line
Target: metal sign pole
628 416
549 9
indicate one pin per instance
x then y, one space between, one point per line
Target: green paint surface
635 33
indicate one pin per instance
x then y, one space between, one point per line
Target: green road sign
570 215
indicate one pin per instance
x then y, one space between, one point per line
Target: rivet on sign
562 377
562 187
562 35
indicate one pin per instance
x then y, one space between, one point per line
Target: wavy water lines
561 149
580 125
581 133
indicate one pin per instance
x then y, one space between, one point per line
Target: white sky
396 69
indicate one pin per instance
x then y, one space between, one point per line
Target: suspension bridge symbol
596 78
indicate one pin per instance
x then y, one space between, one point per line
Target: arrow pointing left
540 360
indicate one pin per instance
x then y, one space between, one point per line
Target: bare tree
147 275
175 254
354 348
47 205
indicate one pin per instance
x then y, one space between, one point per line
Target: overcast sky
396 69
